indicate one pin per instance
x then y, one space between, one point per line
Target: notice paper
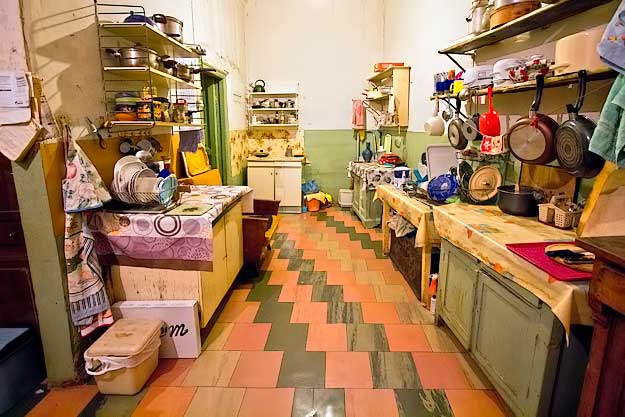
14 97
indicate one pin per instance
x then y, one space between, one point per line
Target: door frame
214 90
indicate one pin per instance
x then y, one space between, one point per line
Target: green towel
608 140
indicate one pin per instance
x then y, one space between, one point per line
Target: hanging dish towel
190 139
611 49
608 140
83 188
358 114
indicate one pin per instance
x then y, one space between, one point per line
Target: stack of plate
135 183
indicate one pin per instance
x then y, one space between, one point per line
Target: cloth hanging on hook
608 139
611 49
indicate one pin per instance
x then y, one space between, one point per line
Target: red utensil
489 122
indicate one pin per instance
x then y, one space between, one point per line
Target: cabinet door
456 294
261 179
234 242
516 345
289 186
214 285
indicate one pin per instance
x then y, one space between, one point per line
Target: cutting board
534 253
551 180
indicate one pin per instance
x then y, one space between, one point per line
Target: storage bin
313 204
21 365
346 197
124 357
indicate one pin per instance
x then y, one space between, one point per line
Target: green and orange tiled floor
329 325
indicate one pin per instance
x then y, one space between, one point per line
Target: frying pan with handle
454 130
532 139
573 138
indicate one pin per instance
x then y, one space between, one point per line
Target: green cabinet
369 211
456 293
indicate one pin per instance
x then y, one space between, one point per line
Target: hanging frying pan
573 138
532 139
454 130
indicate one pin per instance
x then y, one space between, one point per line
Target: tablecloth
484 231
162 240
372 173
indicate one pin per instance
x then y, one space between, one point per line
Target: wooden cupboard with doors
207 288
279 180
513 336
368 211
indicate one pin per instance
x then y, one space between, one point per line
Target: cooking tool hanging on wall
454 130
489 121
532 139
573 138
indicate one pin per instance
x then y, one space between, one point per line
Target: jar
144 110
157 110
179 112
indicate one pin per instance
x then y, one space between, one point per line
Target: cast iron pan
573 139
532 139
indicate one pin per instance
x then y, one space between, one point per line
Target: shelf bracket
452 59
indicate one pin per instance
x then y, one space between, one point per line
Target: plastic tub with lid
124 357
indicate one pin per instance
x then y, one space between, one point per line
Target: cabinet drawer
11 234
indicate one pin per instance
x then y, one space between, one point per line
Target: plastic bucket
346 197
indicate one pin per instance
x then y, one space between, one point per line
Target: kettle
258 87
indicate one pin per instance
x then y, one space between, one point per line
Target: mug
434 126
456 87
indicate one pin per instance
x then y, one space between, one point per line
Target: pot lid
484 182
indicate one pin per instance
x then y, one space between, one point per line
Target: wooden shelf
142 32
145 124
544 16
294 109
274 125
381 98
144 74
384 74
277 94
555 81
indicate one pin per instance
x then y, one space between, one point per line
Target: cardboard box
180 334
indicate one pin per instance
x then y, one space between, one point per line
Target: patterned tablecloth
372 173
484 231
163 240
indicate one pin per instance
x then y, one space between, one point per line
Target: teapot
258 87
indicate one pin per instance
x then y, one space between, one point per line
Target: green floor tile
329 293
393 370
366 338
303 370
299 264
287 337
290 253
341 312
422 403
318 278
113 405
263 292
274 312
327 402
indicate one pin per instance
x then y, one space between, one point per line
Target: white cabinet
277 180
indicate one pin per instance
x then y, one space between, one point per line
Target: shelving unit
398 79
265 113
136 79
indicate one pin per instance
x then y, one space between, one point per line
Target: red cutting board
535 254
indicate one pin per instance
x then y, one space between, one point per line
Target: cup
434 126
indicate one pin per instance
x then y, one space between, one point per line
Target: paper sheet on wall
16 140
14 97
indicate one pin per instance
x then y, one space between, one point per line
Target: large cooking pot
169 25
184 72
136 56
518 201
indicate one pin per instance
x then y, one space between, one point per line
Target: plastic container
313 204
124 357
346 197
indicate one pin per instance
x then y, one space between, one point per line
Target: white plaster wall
62 40
328 46
414 31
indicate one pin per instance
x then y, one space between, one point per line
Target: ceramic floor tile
338 254
327 265
423 403
274 312
165 401
267 402
327 293
248 336
278 264
301 265
379 313
390 293
326 402
64 402
477 379
474 403
348 370
370 277
366 338
370 403
327 337
217 336
257 370
359 293
292 293
240 294
393 370
406 338
441 339
239 312
290 253
216 401
413 313
283 278
393 277
170 372
430 366
340 312
302 370
110 405
312 278
309 313
212 369
315 254
287 337
341 278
